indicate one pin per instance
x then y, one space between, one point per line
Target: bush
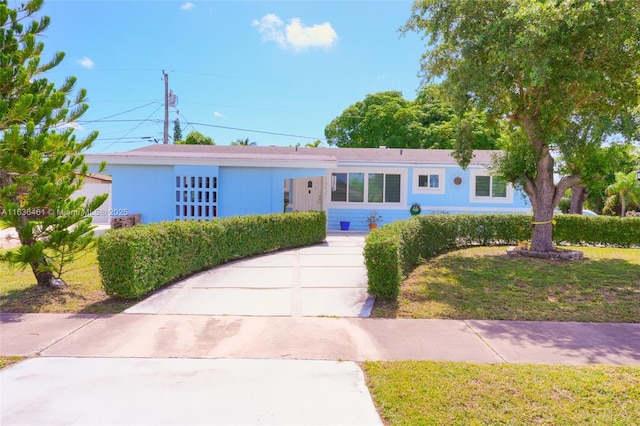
134 261
394 250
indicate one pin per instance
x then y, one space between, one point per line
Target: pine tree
41 162
177 131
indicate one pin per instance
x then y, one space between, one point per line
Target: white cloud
295 34
219 114
187 6
85 63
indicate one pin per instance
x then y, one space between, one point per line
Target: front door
307 194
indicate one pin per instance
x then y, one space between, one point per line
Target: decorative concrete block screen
196 197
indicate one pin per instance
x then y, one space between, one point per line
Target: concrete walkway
175 360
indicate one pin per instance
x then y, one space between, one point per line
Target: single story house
176 182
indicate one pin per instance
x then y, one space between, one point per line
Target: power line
257 131
117 114
129 132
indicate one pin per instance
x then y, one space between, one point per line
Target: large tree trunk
578 196
543 193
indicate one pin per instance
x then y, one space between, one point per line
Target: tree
314 144
387 119
41 162
243 142
177 132
196 138
625 191
541 64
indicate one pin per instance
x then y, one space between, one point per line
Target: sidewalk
318 338
183 358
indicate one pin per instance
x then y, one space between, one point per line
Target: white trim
440 172
495 209
210 161
381 206
487 200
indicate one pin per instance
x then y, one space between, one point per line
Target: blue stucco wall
151 190
144 190
454 199
256 190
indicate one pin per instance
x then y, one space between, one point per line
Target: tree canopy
41 161
542 64
196 138
387 119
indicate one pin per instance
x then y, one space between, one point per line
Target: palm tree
625 190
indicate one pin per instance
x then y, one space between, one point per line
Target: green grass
447 393
19 292
6 361
483 283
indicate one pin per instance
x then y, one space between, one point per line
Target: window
491 186
196 197
428 181
366 187
492 189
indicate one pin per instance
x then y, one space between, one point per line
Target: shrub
134 261
397 248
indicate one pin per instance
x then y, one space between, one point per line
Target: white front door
307 194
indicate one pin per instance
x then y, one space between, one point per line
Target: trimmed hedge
134 261
392 251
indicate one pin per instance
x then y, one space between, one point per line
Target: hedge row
134 261
394 250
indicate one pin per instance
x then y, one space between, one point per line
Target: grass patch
6 361
19 292
443 393
483 283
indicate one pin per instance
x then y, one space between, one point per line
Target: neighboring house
173 182
97 184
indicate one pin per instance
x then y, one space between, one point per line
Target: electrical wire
129 132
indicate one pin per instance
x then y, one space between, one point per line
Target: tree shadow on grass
34 299
495 287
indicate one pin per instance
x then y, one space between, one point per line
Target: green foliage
601 230
134 261
398 248
195 138
41 162
564 73
387 119
177 132
624 191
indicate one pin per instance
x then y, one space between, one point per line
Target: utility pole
166 107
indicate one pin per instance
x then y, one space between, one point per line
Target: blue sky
286 67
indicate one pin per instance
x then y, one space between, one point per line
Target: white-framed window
362 187
428 181
485 188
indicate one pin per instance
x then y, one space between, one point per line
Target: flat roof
283 156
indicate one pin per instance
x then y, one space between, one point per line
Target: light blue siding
256 190
455 198
147 190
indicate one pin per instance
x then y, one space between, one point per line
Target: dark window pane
423 181
356 187
392 189
339 187
376 187
483 186
499 187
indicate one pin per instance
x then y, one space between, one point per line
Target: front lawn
447 393
84 294
483 283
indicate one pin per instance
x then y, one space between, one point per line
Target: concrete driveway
328 279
